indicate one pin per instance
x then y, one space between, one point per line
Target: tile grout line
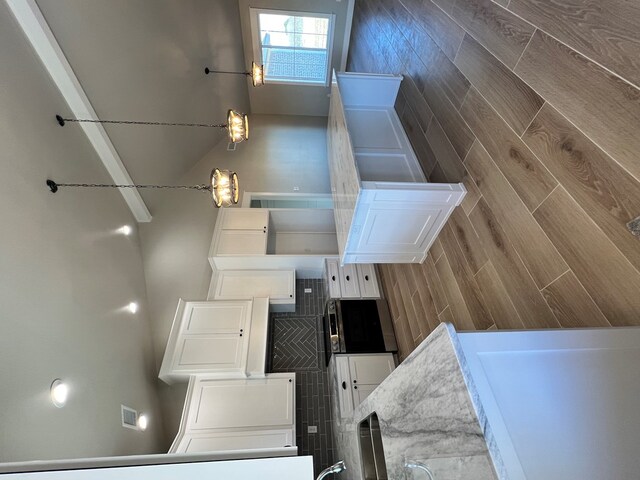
554 280
544 102
544 200
607 69
598 228
453 60
513 69
530 214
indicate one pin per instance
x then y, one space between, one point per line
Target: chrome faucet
420 466
337 468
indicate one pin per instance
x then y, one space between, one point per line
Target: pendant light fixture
256 73
237 124
223 187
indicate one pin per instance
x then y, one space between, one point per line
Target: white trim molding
347 35
37 30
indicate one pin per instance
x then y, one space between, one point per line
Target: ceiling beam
37 30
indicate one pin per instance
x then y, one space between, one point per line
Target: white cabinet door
242 242
333 278
214 317
275 284
264 402
208 337
215 441
368 280
245 219
360 392
349 281
345 400
370 369
210 353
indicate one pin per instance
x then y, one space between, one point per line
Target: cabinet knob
241 330
347 278
366 277
355 381
333 278
291 296
240 334
344 385
355 387
290 380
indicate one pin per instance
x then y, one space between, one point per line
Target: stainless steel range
358 326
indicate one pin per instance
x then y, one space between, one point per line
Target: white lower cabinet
358 375
238 414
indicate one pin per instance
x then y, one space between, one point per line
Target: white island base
384 208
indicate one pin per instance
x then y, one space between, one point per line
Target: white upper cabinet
214 338
241 231
264 402
278 285
240 414
245 219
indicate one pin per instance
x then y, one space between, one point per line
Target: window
295 47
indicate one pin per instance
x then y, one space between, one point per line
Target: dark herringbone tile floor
295 344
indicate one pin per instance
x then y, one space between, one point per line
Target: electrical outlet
312 429
307 290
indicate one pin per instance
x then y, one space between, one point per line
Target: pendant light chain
133 122
203 187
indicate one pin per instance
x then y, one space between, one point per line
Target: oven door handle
333 325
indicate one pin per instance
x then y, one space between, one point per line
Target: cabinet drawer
333 278
368 280
349 281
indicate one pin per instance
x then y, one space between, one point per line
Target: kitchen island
427 414
385 209
517 405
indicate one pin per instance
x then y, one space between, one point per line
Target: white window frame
257 47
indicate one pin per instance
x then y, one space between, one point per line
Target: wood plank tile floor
540 241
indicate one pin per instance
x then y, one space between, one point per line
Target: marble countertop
429 412
345 181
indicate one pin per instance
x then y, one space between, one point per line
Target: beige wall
64 278
283 152
293 99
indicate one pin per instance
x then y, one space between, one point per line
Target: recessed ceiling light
125 230
143 422
59 393
132 307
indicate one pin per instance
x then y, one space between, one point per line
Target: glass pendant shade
257 74
238 126
225 189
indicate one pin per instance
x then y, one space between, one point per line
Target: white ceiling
144 60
